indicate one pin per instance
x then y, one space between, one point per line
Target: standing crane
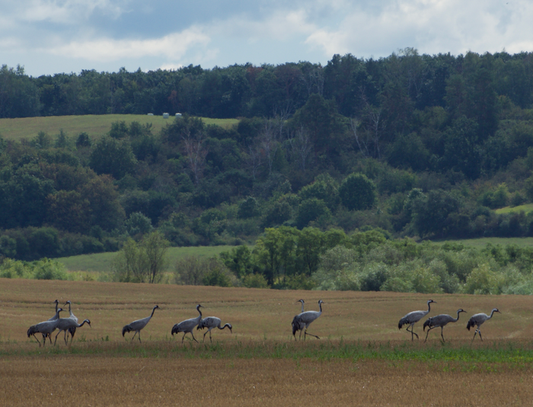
187 325
45 328
304 319
210 323
478 320
72 330
296 324
412 318
67 325
440 320
138 325
56 316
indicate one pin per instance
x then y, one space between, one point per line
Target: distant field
101 262
520 208
361 359
94 125
483 241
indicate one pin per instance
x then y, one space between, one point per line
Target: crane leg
305 334
205 335
38 339
480 335
412 332
55 339
442 333
427 334
194 337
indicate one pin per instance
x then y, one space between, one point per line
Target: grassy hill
520 208
94 125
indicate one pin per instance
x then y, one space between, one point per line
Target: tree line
414 145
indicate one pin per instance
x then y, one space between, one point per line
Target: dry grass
258 364
98 381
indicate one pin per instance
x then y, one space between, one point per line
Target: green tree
142 262
112 157
311 210
357 192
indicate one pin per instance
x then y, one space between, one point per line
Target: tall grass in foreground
517 354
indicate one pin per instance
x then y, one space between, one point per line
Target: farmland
94 125
361 359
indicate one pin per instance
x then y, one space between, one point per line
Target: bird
296 324
304 319
56 316
412 318
440 320
478 320
210 323
138 325
45 328
187 325
71 330
67 325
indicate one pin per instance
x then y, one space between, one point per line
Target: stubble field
361 359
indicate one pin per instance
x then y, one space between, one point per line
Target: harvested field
361 359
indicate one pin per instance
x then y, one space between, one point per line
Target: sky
63 36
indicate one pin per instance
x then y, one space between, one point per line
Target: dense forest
420 146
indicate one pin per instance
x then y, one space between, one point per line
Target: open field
101 262
361 359
94 125
483 241
526 208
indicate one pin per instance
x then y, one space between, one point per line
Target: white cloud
278 25
172 46
432 26
66 11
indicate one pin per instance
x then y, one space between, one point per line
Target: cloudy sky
53 36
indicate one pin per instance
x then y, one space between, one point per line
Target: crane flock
300 323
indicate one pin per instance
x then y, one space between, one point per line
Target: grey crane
138 325
440 321
56 316
412 318
71 330
304 319
187 325
210 323
66 325
45 328
478 320
296 324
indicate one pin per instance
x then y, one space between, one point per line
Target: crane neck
458 313
429 307
153 310
200 312
491 314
